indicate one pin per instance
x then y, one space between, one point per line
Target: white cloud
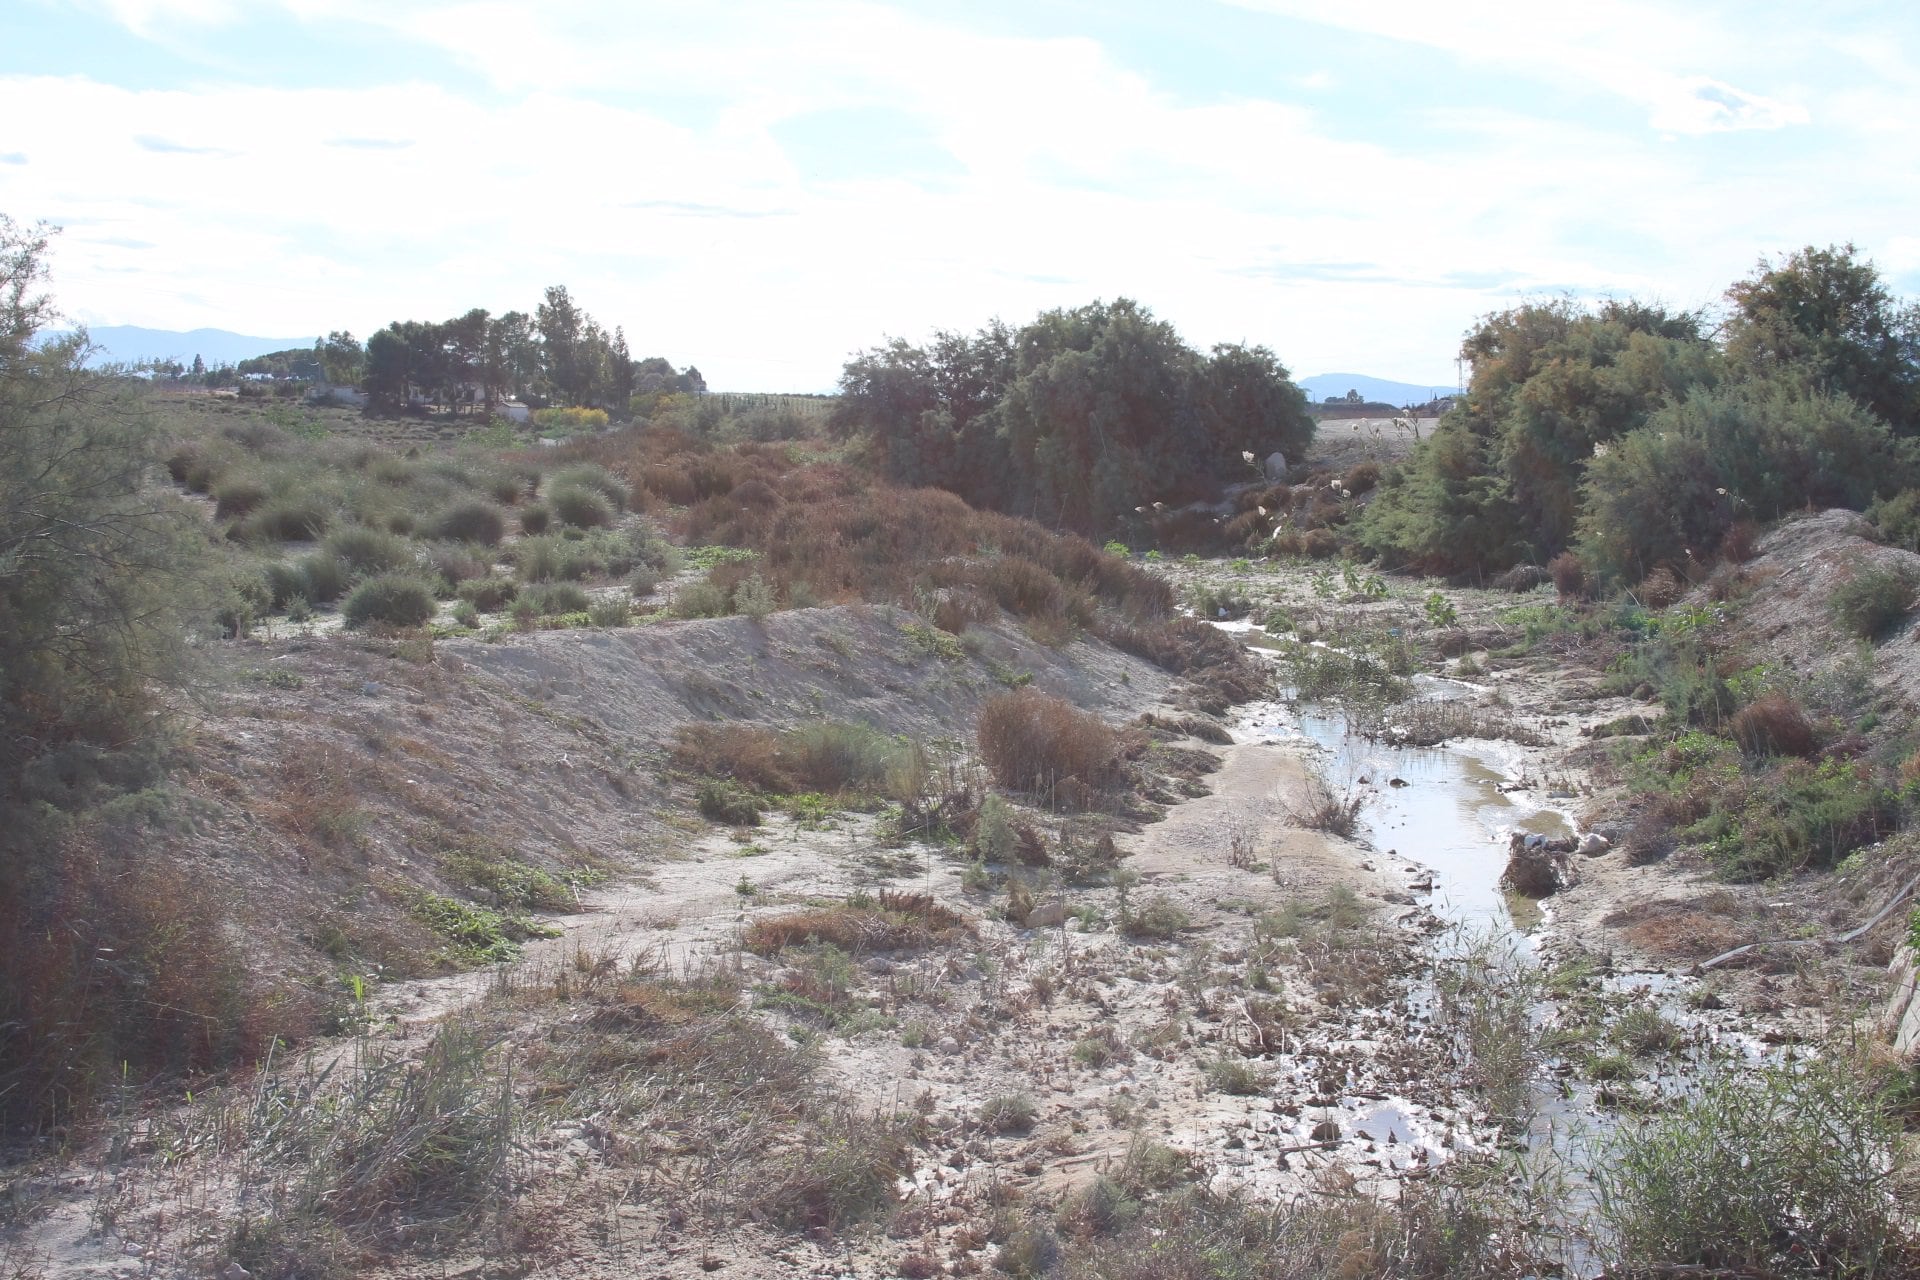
1653 55
283 210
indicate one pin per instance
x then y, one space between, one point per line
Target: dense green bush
237 495
392 599
1898 519
1874 599
723 801
489 594
1799 814
1498 481
326 576
580 507
369 551
1667 495
593 478
1081 416
288 518
471 521
551 598
285 583
1783 1170
535 518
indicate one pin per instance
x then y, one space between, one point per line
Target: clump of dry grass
1036 742
1319 807
1775 725
830 757
119 968
892 922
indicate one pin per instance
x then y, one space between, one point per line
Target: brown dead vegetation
895 921
1036 743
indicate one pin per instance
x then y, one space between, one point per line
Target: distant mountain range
130 344
1378 390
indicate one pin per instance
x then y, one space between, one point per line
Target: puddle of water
1442 807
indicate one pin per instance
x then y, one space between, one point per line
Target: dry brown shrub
1319 544
1569 575
750 754
1030 847
1775 725
1246 528
1023 587
954 609
319 800
896 922
1910 770
1361 478
1740 542
1033 741
119 969
1659 589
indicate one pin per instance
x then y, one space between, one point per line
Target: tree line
1634 436
558 356
1078 419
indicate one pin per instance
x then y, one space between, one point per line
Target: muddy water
1449 809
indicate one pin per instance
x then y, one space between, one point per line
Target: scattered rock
1047 915
1593 844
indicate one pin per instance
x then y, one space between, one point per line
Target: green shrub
1800 814
285 582
702 599
723 801
489 594
1159 917
535 518
1898 519
289 518
236 495
1755 451
1099 1208
503 487
326 576
594 478
580 507
1236 1076
1873 600
466 615
1786 1169
566 420
611 611
472 521
396 600
369 551
474 935
753 598
550 557
558 597
1008 1113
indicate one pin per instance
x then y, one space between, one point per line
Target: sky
762 189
